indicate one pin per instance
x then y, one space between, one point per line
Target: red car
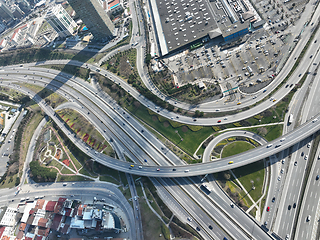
219 121
268 208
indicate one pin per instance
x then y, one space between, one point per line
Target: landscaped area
250 177
236 147
85 131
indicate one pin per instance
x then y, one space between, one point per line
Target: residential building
94 17
5 12
60 21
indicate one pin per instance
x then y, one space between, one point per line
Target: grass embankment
236 148
21 143
55 151
51 98
246 174
70 69
85 131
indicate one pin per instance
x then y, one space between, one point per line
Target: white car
279 178
308 145
306 157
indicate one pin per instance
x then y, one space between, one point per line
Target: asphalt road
165 171
236 133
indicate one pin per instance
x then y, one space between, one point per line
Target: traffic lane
299 131
292 196
216 140
224 202
169 114
198 219
214 212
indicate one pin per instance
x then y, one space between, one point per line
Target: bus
290 119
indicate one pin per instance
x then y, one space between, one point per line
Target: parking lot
252 63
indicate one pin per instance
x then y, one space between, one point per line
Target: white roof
27 209
8 218
77 223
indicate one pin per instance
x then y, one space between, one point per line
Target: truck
290 119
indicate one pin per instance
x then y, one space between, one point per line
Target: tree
148 59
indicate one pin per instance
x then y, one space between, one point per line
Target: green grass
251 172
273 132
236 148
191 139
66 171
123 178
9 182
54 163
74 178
108 179
151 224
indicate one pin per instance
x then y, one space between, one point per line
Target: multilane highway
196 169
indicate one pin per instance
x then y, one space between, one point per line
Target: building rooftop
184 21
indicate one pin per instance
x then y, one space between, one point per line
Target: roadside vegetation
70 69
58 159
85 131
51 98
21 139
250 176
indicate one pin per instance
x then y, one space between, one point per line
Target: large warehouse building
180 23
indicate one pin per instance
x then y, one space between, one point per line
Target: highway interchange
181 193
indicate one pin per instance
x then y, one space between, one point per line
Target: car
273 199
308 218
238 103
317 177
289 207
140 167
287 85
274 100
315 41
306 157
282 139
187 170
158 169
232 205
295 163
230 162
287 237
264 90
282 171
225 118
279 145
300 75
302 153
189 219
291 85
219 121
174 169
269 145
294 205
210 227
279 178
314 120
311 56
268 209
194 120
283 161
198 229
308 145
145 160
